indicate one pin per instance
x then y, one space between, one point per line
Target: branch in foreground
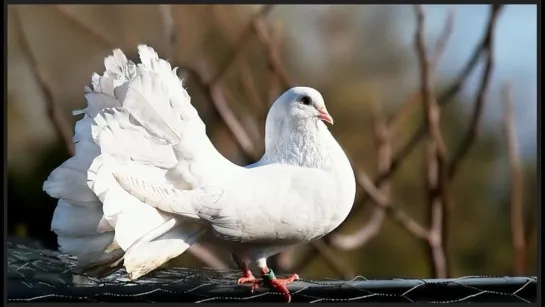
517 183
61 126
436 156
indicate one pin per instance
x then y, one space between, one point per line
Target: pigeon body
146 182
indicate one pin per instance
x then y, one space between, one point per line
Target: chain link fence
41 275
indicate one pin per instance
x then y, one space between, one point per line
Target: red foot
247 278
278 284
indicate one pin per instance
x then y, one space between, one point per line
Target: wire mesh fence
41 275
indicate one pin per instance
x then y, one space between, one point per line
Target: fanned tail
128 123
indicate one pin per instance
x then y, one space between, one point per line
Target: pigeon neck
304 143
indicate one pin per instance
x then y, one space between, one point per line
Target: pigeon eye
306 100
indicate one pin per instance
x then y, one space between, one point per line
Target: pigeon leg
277 283
247 276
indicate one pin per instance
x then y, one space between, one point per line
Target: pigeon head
300 104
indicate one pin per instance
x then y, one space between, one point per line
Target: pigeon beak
324 115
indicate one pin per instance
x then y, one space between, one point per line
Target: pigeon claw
285 281
246 280
279 284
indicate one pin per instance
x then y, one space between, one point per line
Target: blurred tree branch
207 257
240 43
517 183
480 99
383 132
444 37
436 157
447 95
483 47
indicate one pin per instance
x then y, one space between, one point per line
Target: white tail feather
140 117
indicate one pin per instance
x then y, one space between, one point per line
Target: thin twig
399 216
274 80
250 89
475 121
61 126
444 37
215 96
435 156
517 183
232 122
273 54
407 107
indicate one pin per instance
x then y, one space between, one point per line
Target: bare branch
400 216
474 123
444 37
332 260
517 183
215 96
449 93
228 116
250 88
274 80
60 124
395 123
444 98
231 56
273 56
360 238
436 156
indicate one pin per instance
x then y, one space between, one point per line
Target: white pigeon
146 182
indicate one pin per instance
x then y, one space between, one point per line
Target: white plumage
146 182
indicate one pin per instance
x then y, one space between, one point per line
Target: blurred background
236 60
